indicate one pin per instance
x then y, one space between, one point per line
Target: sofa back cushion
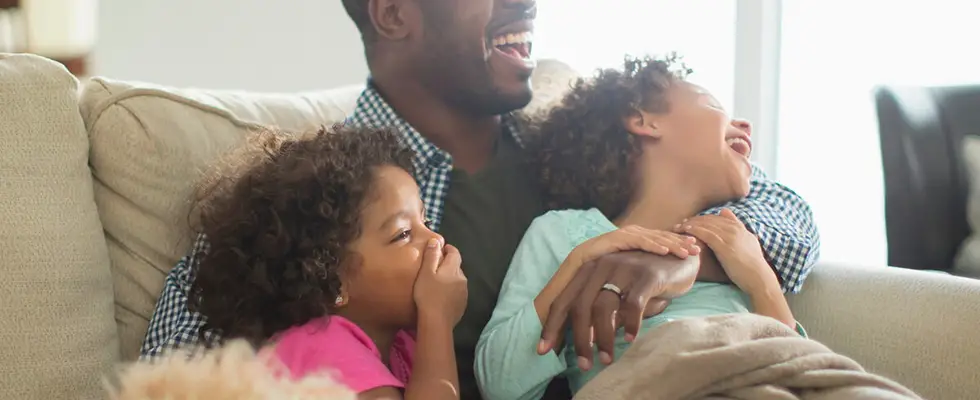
149 146
57 337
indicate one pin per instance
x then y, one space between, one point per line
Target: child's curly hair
278 216
582 152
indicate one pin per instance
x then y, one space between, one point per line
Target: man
446 73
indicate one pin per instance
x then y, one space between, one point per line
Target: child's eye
428 223
402 235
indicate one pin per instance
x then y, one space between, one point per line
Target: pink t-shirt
335 344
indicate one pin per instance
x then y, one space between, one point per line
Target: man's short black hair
357 10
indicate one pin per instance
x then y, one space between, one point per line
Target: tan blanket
742 356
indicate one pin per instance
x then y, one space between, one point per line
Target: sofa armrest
918 328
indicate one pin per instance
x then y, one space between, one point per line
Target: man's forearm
710 269
785 225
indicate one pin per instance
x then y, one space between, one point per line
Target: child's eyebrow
394 217
711 98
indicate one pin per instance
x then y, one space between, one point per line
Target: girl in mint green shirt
629 158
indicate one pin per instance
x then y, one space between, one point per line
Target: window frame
758 38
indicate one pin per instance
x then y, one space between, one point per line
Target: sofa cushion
57 338
149 146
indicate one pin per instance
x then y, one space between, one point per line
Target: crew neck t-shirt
486 214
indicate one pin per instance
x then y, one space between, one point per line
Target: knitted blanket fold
736 356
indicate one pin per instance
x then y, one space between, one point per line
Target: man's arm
710 269
784 224
778 216
173 324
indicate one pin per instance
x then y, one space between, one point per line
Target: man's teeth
513 38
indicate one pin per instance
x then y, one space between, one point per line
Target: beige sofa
93 187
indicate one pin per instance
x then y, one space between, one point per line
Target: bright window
833 54
588 34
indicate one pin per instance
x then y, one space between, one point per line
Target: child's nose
434 235
743 125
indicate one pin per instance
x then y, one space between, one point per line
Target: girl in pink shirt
320 252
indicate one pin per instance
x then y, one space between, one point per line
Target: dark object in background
921 131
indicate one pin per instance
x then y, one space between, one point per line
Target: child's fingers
451 260
677 248
432 256
680 245
637 238
706 235
727 213
650 245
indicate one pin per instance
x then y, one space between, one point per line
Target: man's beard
466 82
489 100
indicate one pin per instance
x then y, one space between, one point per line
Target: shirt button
438 159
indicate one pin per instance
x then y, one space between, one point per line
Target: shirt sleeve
507 365
173 325
784 224
801 331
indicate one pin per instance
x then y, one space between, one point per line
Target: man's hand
644 279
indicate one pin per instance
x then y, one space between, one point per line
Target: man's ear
392 19
642 123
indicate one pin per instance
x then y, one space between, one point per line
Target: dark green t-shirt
485 216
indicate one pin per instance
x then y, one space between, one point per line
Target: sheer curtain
589 34
833 54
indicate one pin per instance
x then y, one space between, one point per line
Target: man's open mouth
516 44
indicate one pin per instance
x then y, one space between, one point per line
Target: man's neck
468 139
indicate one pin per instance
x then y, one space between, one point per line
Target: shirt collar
372 110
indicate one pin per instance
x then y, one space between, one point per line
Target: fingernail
584 364
433 243
543 346
605 358
629 338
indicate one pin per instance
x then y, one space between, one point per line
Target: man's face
477 53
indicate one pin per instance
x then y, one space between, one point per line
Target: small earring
339 301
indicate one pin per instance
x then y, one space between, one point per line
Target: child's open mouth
740 145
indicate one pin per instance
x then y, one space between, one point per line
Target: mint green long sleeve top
507 364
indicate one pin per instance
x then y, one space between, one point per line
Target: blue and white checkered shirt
781 219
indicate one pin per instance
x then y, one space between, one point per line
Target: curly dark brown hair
581 151
279 215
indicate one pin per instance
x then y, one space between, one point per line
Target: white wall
256 45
